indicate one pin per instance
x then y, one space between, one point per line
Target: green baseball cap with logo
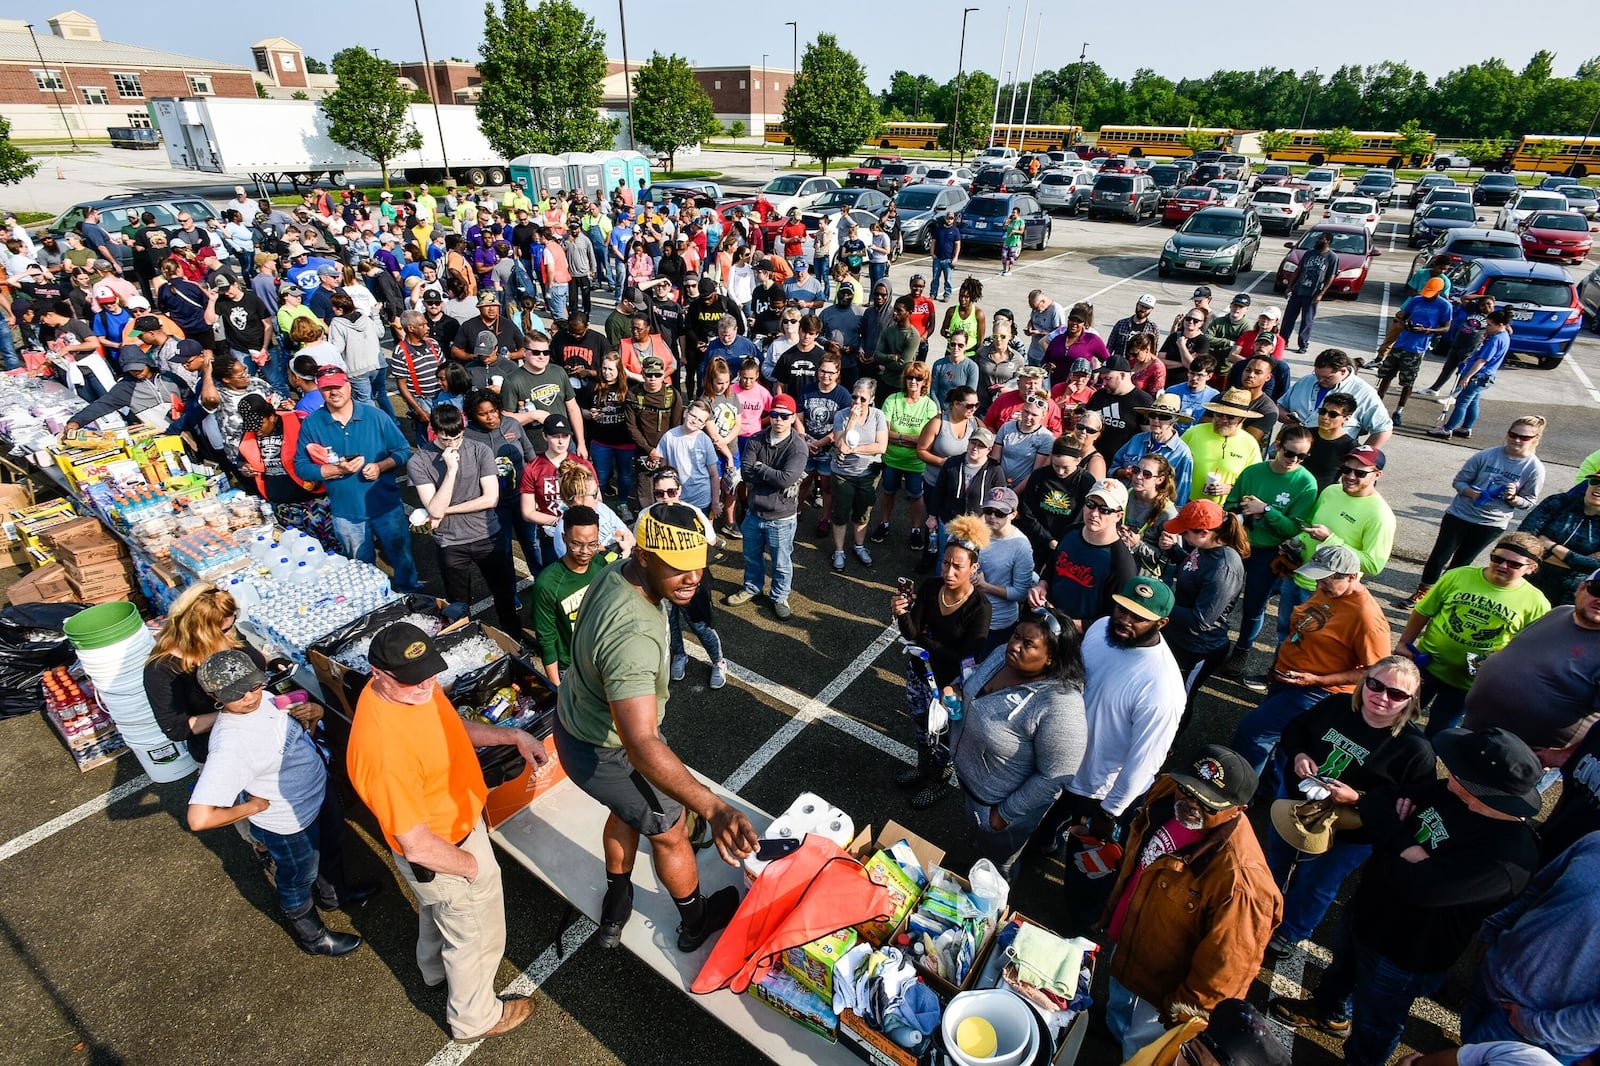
1146 597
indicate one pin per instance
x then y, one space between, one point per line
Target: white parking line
1121 281
73 817
1583 378
1383 315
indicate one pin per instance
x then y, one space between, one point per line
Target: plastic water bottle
952 704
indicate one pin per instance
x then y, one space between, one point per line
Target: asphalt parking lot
126 938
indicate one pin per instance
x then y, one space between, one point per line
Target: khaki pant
461 936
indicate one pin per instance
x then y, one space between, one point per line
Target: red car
1187 200
866 175
1352 244
1564 236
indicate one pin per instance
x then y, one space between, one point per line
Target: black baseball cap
406 653
1219 777
433 296
1117 362
1497 767
189 348
145 324
555 424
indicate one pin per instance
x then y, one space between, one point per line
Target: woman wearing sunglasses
1568 528
1470 614
1021 736
1348 744
1152 503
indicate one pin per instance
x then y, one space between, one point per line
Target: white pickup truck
994 154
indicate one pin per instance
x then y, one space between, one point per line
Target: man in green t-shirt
1468 615
560 589
897 346
608 717
1275 498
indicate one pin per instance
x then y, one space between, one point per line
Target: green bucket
103 625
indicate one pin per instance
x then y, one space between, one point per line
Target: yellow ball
975 1036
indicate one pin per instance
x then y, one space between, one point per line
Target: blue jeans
1309 882
819 268
390 532
761 537
1259 585
556 297
1290 596
1258 731
606 459
618 270
364 388
876 272
272 371
709 637
1134 1023
380 392
1465 416
304 857
513 527
1375 994
1447 705
1299 307
8 347
941 268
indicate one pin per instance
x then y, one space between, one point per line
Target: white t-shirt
693 457
1504 1053
268 754
1133 701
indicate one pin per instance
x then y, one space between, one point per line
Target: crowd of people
1100 519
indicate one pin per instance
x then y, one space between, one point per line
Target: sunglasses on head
1046 619
1378 688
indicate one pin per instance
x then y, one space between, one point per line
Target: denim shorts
895 480
821 463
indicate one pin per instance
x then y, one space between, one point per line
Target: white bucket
117 671
1016 1033
164 761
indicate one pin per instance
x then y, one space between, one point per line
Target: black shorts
608 776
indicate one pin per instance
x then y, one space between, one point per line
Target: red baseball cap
331 376
1366 455
783 402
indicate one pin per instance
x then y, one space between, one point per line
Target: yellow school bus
1136 141
925 135
1577 157
1377 149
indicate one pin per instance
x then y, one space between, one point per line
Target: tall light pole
961 59
56 91
627 78
1033 65
999 71
1077 82
433 87
1311 88
794 72
1016 70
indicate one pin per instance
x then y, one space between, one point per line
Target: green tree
315 65
1198 140
542 71
737 129
911 94
299 94
1589 69
368 112
828 109
1273 141
1486 152
15 164
1414 142
420 96
261 91
1338 141
977 102
670 110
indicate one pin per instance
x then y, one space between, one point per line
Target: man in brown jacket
1194 904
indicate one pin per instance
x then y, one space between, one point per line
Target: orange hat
1432 287
1196 514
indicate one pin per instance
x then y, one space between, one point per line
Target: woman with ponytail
1209 547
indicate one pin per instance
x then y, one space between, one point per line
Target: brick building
752 95
98 84
281 70
446 81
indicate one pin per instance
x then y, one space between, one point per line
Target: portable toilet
613 171
638 168
586 173
521 171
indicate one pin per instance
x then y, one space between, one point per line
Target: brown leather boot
516 1011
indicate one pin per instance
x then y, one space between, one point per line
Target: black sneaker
1278 946
1464 434
1306 1014
919 539
880 533
719 910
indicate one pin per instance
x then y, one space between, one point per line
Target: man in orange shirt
1333 637
411 760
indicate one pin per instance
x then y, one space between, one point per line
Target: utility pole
1584 144
1077 82
1033 65
1311 89
44 70
999 78
794 72
1016 70
961 59
627 76
433 87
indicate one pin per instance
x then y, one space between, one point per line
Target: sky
1164 35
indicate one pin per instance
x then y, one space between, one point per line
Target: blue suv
983 219
1545 313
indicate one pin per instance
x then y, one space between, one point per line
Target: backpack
521 284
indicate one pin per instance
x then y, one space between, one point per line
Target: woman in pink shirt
754 401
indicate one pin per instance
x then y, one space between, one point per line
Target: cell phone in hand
770 849
908 587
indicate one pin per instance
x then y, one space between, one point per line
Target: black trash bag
330 644
31 642
478 687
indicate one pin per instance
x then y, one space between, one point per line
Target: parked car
1553 182
1354 211
896 176
1065 190
796 190
1222 241
869 200
866 175
960 177
1462 245
995 154
983 219
1062 159
1274 174
1545 313
1494 189
1205 173
1581 198
1562 236
1235 166
1130 196
999 179
1229 189
1031 163
864 219
1353 247
919 204
700 193
1589 298
1284 207
1376 184
1324 182
1168 177
1450 194
1426 184
116 212
1187 200
1207 155
1526 202
1429 222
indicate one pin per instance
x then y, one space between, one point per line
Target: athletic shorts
1403 365
894 480
607 776
853 498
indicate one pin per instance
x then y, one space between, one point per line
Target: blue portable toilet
521 170
614 171
638 168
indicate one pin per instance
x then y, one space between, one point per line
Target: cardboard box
864 847
507 799
941 985
780 991
97 571
85 528
85 551
869 1045
48 584
812 964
